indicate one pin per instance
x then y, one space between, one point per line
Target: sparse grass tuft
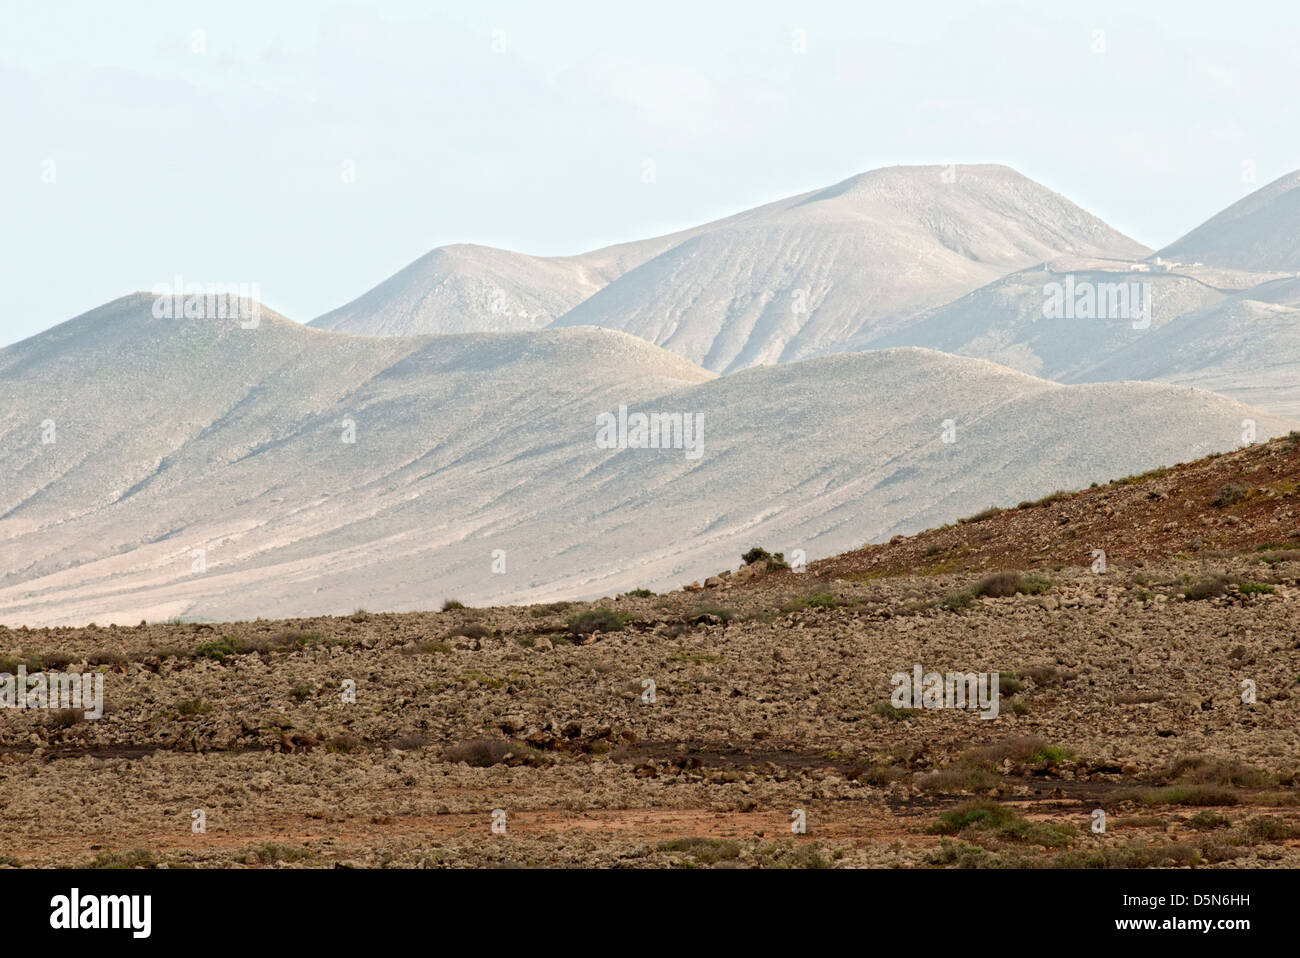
892 712
598 620
271 853
1197 796
139 858
1232 494
231 645
1019 750
1268 828
1001 821
818 600
1275 556
703 851
997 585
486 752
1047 500
342 744
1209 588
1208 770
1206 820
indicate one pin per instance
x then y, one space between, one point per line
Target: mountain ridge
470 443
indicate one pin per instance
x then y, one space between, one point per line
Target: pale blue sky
226 164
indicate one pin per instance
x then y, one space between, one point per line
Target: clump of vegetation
551 608
875 773
1232 494
986 818
139 858
995 586
958 778
1255 588
342 744
818 600
1274 556
470 632
1047 500
892 712
598 620
1138 698
1206 820
773 560
792 855
67 718
1208 770
269 853
1197 796
1136 480
1217 585
965 855
703 851
289 640
1051 755
232 645
957 600
190 707
1209 588
108 658
1019 750
10 663
714 611
1130 856
486 752
695 658
988 513
1268 828
1045 675
431 647
1006 583
639 594
451 605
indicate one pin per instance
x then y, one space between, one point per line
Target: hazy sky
315 148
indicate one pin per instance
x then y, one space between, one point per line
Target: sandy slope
464 289
1260 232
179 435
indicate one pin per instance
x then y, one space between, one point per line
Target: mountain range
858 362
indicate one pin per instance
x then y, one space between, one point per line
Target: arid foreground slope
1120 690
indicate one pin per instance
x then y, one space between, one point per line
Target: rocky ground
695 728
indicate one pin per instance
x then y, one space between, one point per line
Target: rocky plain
1144 634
